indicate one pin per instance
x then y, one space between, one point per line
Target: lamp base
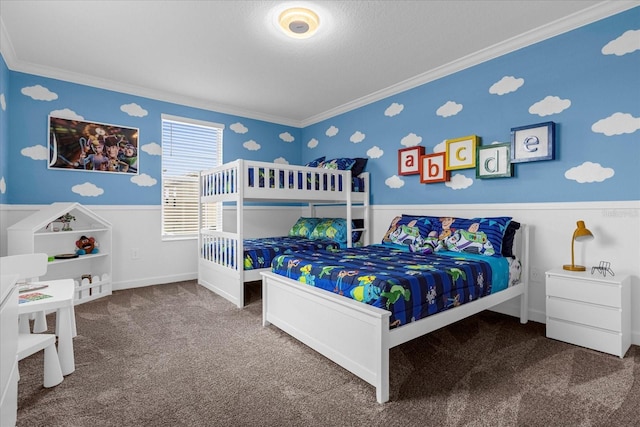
572 267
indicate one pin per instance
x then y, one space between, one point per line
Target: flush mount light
298 22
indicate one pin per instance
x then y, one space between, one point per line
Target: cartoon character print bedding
409 284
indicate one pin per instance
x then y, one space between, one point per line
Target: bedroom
539 194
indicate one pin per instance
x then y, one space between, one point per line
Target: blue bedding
259 253
410 285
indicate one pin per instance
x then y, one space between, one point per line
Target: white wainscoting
615 225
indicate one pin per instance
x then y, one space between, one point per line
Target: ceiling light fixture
299 22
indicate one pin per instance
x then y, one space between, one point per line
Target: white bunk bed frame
356 336
220 267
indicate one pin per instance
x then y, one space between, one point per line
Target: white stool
29 344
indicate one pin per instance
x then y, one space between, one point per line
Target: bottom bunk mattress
260 252
410 285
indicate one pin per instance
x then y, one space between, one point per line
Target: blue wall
33 98
590 86
591 75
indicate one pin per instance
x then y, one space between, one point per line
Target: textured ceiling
228 56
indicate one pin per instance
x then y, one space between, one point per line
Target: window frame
185 235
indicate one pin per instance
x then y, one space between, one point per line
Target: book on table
34 296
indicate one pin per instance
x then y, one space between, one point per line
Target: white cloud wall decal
251 145
394 182
281 160
449 109
144 180
589 172
3 102
375 152
286 137
549 105
152 148
393 109
411 140
3 185
332 131
66 114
134 110
626 43
87 189
505 85
239 128
440 148
39 93
357 137
313 143
617 124
36 152
459 182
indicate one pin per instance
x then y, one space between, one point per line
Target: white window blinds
188 146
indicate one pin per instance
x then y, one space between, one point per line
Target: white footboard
352 334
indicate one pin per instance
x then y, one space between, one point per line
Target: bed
356 327
227 259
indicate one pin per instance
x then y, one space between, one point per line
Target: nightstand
589 310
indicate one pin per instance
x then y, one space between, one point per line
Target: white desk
61 301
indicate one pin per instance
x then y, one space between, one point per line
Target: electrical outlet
536 274
135 253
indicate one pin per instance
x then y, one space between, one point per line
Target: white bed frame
225 275
356 336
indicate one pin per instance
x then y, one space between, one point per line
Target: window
188 146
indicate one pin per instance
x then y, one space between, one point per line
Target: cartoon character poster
91 146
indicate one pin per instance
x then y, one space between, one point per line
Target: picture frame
92 146
409 160
461 152
533 143
433 168
494 161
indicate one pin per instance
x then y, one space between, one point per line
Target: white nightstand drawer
594 292
585 336
588 314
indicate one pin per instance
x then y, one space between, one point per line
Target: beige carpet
179 355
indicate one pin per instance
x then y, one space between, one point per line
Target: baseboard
149 281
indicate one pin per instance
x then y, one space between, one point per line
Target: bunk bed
222 252
358 335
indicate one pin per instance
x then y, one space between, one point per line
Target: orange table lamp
582 234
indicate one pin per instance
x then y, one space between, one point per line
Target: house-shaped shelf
43 231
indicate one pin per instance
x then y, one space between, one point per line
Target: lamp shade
581 234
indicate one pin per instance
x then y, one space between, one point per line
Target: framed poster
494 161
92 146
533 143
409 160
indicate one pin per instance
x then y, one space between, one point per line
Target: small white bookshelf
41 232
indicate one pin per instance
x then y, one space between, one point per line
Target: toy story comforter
260 252
410 285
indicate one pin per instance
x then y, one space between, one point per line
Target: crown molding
552 29
571 22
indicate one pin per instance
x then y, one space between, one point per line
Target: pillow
343 164
476 235
507 240
358 166
315 163
303 227
416 232
332 229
